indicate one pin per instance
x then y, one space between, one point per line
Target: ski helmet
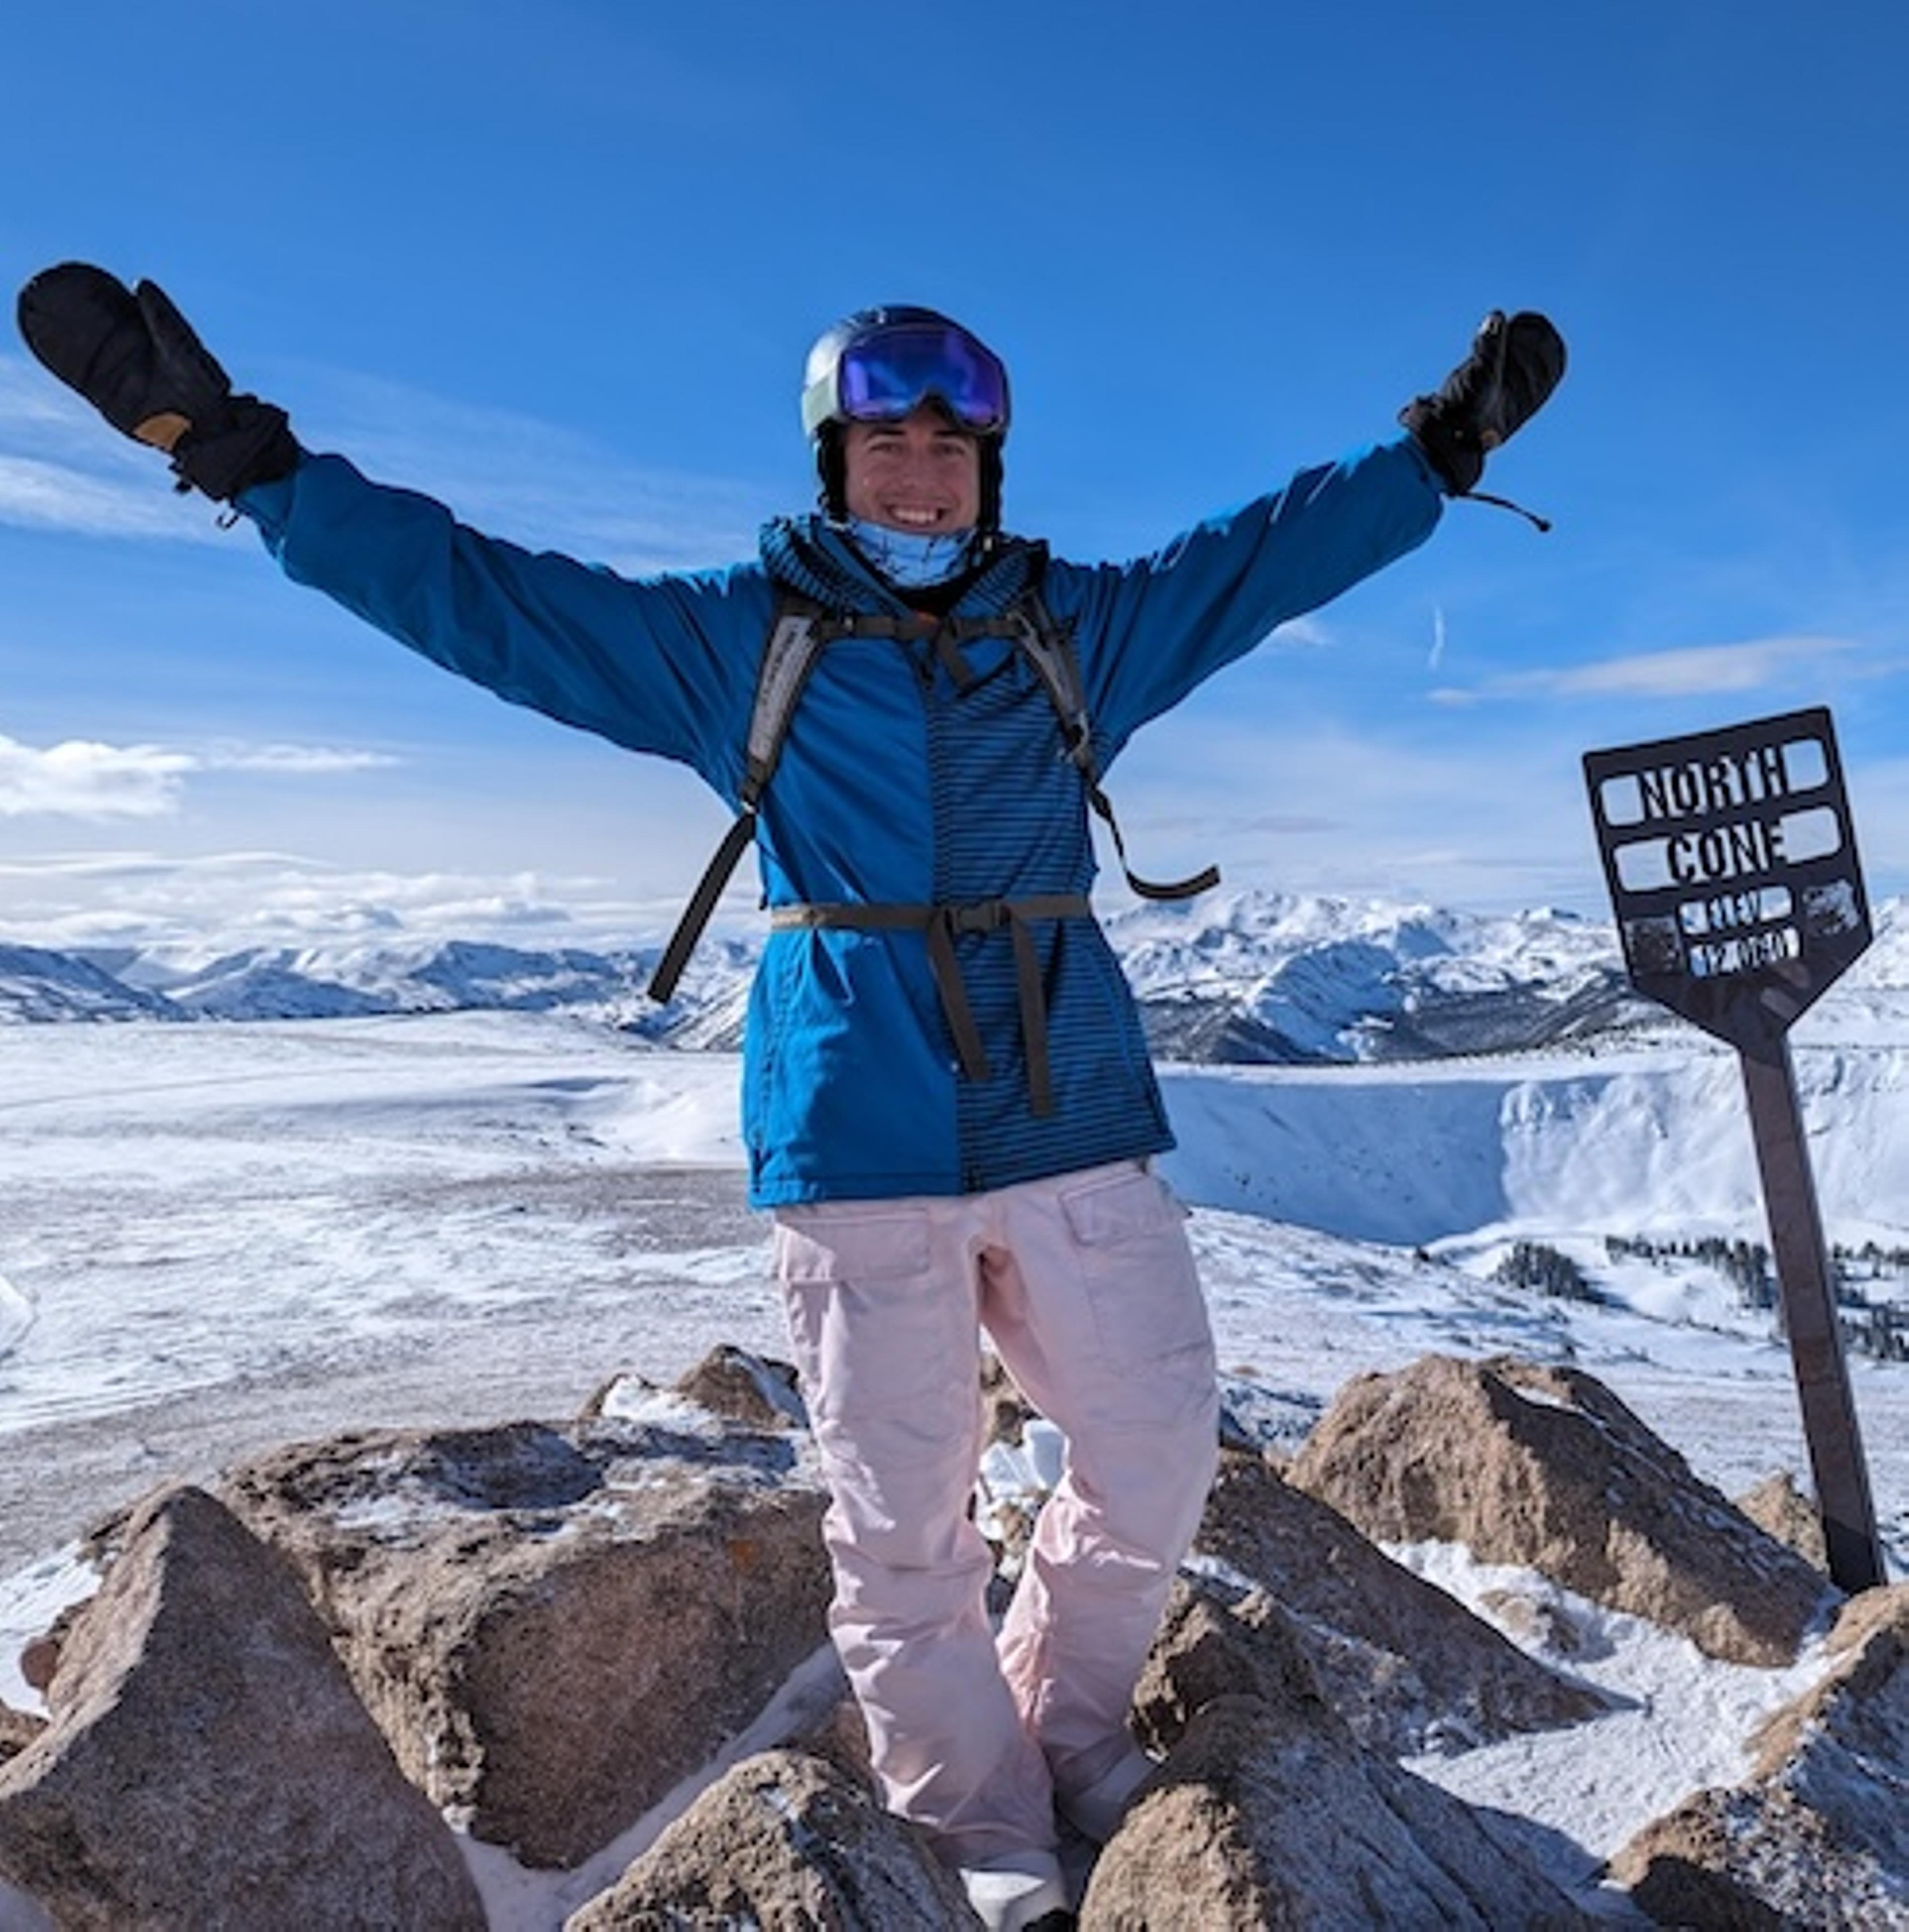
880 365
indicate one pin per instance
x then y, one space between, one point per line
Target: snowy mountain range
1242 978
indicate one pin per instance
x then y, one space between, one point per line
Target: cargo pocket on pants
1137 1269
872 1325
887 1343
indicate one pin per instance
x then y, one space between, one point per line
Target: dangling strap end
1537 523
702 903
959 1014
1033 1020
1183 888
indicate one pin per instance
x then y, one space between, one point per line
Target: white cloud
80 779
61 468
1694 670
221 901
294 761
43 495
1309 632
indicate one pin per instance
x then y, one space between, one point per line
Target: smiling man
922 474
948 1105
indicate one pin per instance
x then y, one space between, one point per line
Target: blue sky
559 263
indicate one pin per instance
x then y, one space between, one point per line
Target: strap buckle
978 916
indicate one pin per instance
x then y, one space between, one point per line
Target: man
949 1108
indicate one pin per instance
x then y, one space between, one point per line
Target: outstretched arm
1149 630
666 665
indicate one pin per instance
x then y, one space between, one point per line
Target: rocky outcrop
753 1390
554 1625
558 1627
1819 1835
1776 1504
18 1729
1407 1667
787 1842
746 1388
1544 1467
1207 1650
1294 1661
208 1766
1266 1816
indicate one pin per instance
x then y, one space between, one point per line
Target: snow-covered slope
323 1186
36 984
1652 1143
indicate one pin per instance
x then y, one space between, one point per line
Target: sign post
1731 860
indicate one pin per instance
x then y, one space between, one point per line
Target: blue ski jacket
900 784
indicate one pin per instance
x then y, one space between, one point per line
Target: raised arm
666 665
1148 631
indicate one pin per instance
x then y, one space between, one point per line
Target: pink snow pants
1086 1285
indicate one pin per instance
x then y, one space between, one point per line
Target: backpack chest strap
942 924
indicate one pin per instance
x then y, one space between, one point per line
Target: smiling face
921 475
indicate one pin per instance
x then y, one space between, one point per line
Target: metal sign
1731 860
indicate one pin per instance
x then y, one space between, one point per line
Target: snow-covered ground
217 1237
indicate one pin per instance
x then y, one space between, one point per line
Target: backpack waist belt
943 924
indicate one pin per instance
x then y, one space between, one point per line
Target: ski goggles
888 374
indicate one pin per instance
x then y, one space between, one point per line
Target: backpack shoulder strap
798 635
1048 646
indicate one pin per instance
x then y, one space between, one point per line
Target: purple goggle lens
890 375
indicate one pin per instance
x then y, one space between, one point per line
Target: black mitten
1513 366
132 355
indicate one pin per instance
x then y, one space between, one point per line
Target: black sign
1731 861
1732 866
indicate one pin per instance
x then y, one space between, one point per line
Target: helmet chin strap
912 560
